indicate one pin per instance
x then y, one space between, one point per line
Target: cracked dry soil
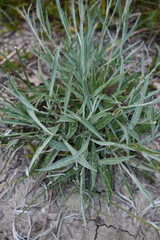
103 223
40 220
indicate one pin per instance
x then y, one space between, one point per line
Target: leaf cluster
89 115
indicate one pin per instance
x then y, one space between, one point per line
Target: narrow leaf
39 150
113 161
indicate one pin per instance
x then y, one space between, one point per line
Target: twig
12 54
138 31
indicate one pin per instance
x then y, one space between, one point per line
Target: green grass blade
82 192
54 69
113 161
93 162
78 155
139 185
33 116
86 123
64 20
63 162
39 151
